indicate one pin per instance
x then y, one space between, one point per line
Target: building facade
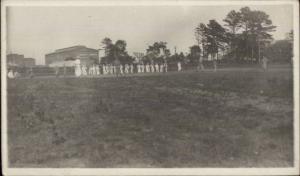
19 60
15 59
87 56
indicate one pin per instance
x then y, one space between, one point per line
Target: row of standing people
83 70
141 68
107 69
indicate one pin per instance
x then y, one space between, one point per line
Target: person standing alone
265 63
179 66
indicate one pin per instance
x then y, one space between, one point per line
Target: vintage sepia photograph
185 85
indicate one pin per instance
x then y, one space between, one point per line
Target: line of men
112 69
107 69
83 70
141 68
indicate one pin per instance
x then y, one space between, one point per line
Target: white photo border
147 171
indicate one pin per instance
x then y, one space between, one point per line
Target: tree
233 23
108 45
211 37
116 52
157 53
280 51
119 50
257 26
248 33
201 37
216 38
194 55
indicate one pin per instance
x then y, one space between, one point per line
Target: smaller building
14 59
28 62
18 60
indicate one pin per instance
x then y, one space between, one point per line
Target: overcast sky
35 31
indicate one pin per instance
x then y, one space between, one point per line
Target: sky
36 31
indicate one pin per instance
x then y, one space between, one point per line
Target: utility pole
175 50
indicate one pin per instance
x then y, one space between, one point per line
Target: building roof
14 54
72 48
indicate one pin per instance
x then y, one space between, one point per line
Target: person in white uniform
179 66
106 69
147 68
265 63
152 67
97 70
126 68
200 64
121 69
109 68
94 70
103 70
81 68
161 68
138 68
166 67
131 68
114 69
84 71
156 67
10 74
90 68
77 68
215 64
142 68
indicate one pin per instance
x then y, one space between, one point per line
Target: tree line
245 36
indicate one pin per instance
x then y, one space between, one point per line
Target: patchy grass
190 119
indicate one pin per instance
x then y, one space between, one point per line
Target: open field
238 118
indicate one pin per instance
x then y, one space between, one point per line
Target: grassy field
238 118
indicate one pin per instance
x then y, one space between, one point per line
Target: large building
19 60
87 56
